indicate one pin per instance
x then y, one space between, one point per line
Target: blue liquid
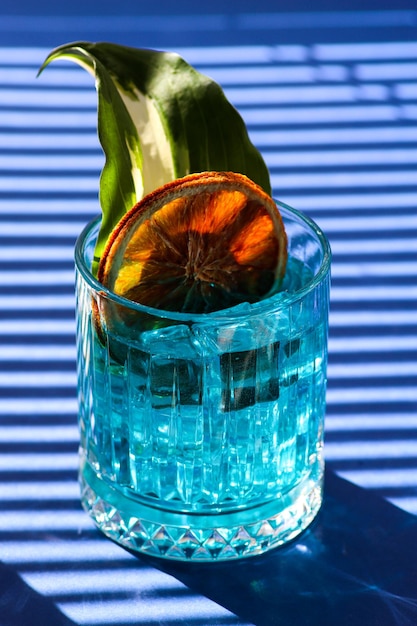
204 441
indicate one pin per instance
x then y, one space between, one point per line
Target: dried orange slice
198 244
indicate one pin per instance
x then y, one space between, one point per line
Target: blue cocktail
202 434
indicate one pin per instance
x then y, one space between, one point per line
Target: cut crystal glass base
190 537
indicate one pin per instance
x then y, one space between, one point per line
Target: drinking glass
202 434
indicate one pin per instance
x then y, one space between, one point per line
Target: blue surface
352 566
331 102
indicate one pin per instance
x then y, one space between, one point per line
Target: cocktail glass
202 434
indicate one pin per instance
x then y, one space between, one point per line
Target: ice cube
177 341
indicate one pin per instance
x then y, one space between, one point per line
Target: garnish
158 120
198 244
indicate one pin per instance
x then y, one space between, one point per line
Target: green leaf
158 119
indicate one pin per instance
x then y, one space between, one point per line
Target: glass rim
280 300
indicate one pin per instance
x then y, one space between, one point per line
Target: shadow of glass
356 564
